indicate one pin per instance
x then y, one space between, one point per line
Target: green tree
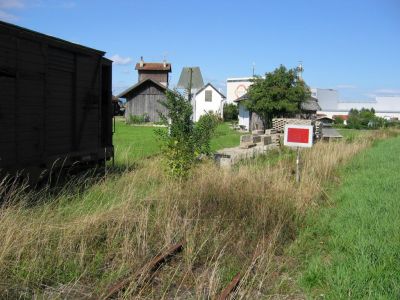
365 118
338 121
184 141
231 112
278 94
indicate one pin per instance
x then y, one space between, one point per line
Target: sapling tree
184 141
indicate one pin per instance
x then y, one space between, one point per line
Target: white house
207 100
244 113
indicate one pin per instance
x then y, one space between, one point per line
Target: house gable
144 99
208 86
207 99
147 87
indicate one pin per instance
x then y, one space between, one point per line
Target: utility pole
190 85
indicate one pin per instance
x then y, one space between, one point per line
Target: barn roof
209 84
153 67
241 98
311 104
326 118
36 35
129 90
330 133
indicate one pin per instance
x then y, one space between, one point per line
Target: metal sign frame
299 143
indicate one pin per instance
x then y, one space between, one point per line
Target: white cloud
119 60
346 86
4 16
4 4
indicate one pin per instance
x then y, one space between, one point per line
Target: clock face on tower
240 90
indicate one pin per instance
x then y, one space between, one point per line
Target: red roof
154 67
343 117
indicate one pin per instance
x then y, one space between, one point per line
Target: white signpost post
300 136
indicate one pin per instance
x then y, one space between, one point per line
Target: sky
349 45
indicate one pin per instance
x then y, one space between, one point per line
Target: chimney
165 63
141 63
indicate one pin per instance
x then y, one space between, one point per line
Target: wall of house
236 87
158 76
244 116
201 106
146 101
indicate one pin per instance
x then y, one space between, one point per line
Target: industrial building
331 105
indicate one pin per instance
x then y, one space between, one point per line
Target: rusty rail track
146 271
230 288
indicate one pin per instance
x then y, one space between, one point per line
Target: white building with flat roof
236 88
331 105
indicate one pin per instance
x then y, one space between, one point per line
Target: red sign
298 135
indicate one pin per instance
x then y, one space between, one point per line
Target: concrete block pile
260 137
251 145
279 124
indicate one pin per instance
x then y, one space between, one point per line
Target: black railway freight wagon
55 102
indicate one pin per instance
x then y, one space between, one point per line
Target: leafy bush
231 112
365 119
204 130
338 121
138 119
184 141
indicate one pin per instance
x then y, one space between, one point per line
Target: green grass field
136 142
79 239
351 133
351 247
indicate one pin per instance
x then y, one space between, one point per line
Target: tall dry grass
75 243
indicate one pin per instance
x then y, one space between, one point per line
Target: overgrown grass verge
350 248
75 243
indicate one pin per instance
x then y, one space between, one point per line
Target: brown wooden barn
143 98
55 102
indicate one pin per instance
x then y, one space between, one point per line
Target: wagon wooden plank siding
55 102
